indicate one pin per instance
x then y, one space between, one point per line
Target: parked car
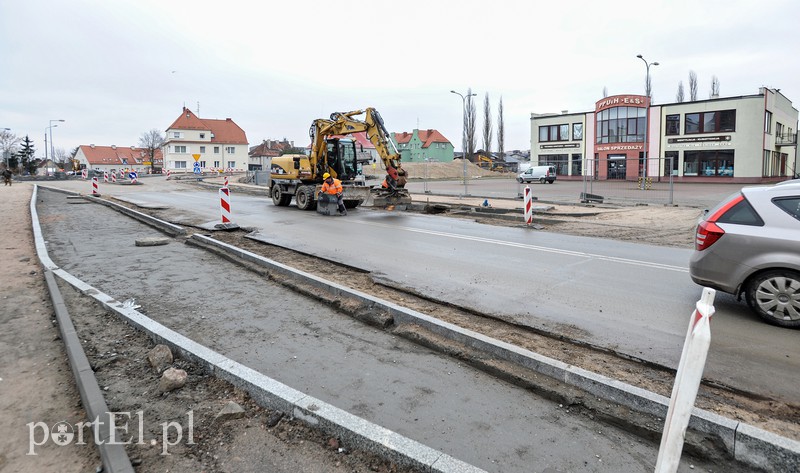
749 245
538 173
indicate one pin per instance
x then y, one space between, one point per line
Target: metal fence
629 181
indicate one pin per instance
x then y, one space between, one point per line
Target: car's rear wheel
775 297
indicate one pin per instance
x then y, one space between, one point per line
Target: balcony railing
786 139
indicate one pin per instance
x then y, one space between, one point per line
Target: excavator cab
341 158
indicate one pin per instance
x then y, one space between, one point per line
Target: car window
790 205
741 214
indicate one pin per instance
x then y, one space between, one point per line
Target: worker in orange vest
333 186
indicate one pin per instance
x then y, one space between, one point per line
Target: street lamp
464 136
46 129
52 148
646 113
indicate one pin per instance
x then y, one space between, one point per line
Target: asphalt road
307 345
635 299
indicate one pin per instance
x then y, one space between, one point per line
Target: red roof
222 131
428 137
114 156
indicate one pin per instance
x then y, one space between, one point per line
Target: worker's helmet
326 175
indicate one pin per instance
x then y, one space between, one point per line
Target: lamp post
646 113
464 136
52 148
46 130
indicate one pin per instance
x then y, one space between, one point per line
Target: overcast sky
116 69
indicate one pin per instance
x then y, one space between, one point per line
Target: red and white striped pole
84 174
225 204
687 383
95 189
169 174
105 176
225 184
113 177
528 206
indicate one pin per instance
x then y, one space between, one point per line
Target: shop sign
621 101
699 139
561 146
619 148
700 142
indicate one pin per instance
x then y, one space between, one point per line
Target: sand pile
449 170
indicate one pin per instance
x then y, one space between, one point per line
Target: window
774 164
742 213
554 133
230 149
202 149
202 164
180 164
710 122
671 163
673 125
768 122
176 134
202 135
790 205
232 164
577 131
216 149
708 163
621 125
216 164
179 149
559 161
577 164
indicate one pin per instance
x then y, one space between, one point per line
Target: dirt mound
448 170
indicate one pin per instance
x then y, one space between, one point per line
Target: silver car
749 245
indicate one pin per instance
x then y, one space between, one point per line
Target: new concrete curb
747 444
113 455
266 391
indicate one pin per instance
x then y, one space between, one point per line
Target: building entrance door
616 166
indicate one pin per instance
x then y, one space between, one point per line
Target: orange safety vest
333 189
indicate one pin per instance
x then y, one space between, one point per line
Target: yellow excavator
300 176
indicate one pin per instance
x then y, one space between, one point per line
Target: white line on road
526 246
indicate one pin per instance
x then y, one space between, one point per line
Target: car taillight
707 234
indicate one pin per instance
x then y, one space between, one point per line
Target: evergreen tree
26 155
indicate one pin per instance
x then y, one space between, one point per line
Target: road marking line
526 246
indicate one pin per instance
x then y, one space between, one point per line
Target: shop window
709 122
708 163
559 161
671 163
621 125
577 164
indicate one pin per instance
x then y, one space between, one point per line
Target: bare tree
470 118
692 86
8 143
151 142
605 91
714 88
487 126
501 130
679 96
60 156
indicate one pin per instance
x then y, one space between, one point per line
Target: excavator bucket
387 199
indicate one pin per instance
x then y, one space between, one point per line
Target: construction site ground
611 222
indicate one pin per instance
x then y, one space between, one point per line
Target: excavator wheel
305 198
280 198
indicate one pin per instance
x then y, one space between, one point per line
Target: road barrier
225 184
528 206
687 382
95 187
113 177
225 204
134 177
105 176
84 174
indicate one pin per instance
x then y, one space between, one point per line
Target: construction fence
629 181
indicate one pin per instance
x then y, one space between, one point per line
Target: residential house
114 158
260 156
420 145
213 144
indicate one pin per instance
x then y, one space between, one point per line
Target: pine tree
26 156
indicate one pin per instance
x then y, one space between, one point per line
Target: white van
538 173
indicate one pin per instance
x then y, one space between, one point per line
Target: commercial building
747 139
217 144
